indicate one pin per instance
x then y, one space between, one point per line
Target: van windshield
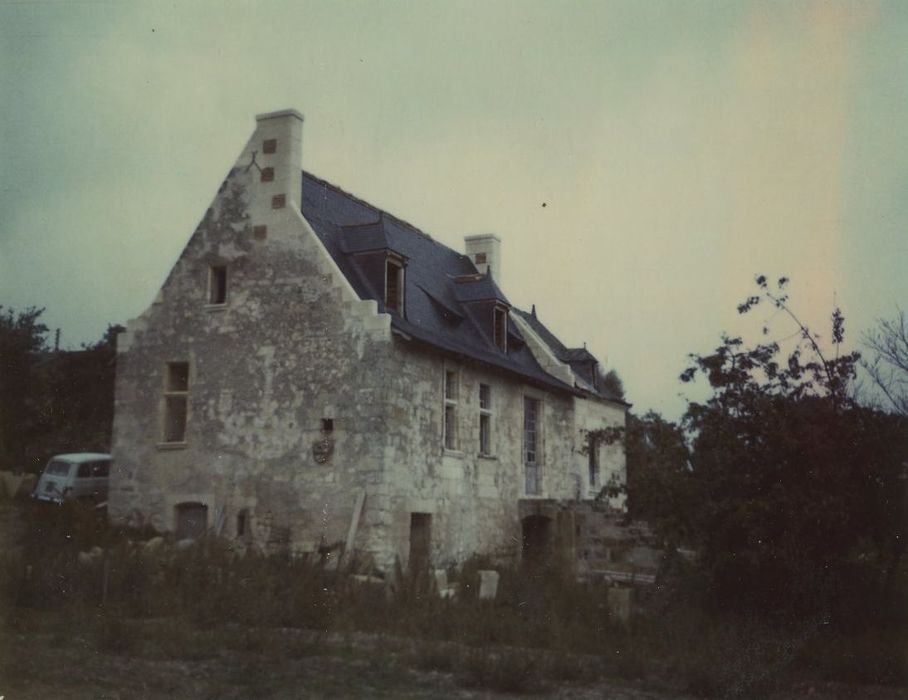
58 468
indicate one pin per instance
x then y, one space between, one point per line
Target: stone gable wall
292 345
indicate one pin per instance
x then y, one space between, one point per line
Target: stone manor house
317 375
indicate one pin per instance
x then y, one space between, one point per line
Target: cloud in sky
678 148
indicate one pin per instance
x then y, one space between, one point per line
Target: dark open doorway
420 542
192 520
536 530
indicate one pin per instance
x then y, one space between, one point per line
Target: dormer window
500 329
394 285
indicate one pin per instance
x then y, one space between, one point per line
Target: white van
80 475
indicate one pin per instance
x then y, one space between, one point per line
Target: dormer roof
478 287
367 237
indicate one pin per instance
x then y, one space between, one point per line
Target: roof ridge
380 211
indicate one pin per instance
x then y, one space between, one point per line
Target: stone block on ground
620 603
445 589
488 584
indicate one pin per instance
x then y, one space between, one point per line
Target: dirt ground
43 662
44 665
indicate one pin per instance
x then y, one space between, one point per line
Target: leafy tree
78 406
660 488
51 402
612 384
22 342
793 480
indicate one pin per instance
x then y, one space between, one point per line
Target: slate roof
442 286
581 361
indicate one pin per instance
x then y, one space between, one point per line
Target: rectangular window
176 399
594 463
531 445
485 419
501 328
217 284
394 287
450 423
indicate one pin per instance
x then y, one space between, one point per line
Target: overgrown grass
544 628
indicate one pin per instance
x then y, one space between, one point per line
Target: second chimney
485 252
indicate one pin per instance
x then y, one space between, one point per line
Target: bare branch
889 369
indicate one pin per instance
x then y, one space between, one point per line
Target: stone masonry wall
294 346
473 499
593 415
291 346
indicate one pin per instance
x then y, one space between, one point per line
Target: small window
176 400
217 284
451 385
394 286
84 470
450 420
269 146
485 420
242 523
267 174
278 201
594 463
327 425
501 328
177 376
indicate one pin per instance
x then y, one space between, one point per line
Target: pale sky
679 148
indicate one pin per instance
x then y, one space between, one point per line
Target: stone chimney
485 252
278 143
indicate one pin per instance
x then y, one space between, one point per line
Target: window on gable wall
217 284
394 286
450 421
501 328
176 400
485 419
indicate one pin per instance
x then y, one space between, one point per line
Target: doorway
536 530
192 520
420 542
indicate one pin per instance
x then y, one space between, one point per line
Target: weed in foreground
509 671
